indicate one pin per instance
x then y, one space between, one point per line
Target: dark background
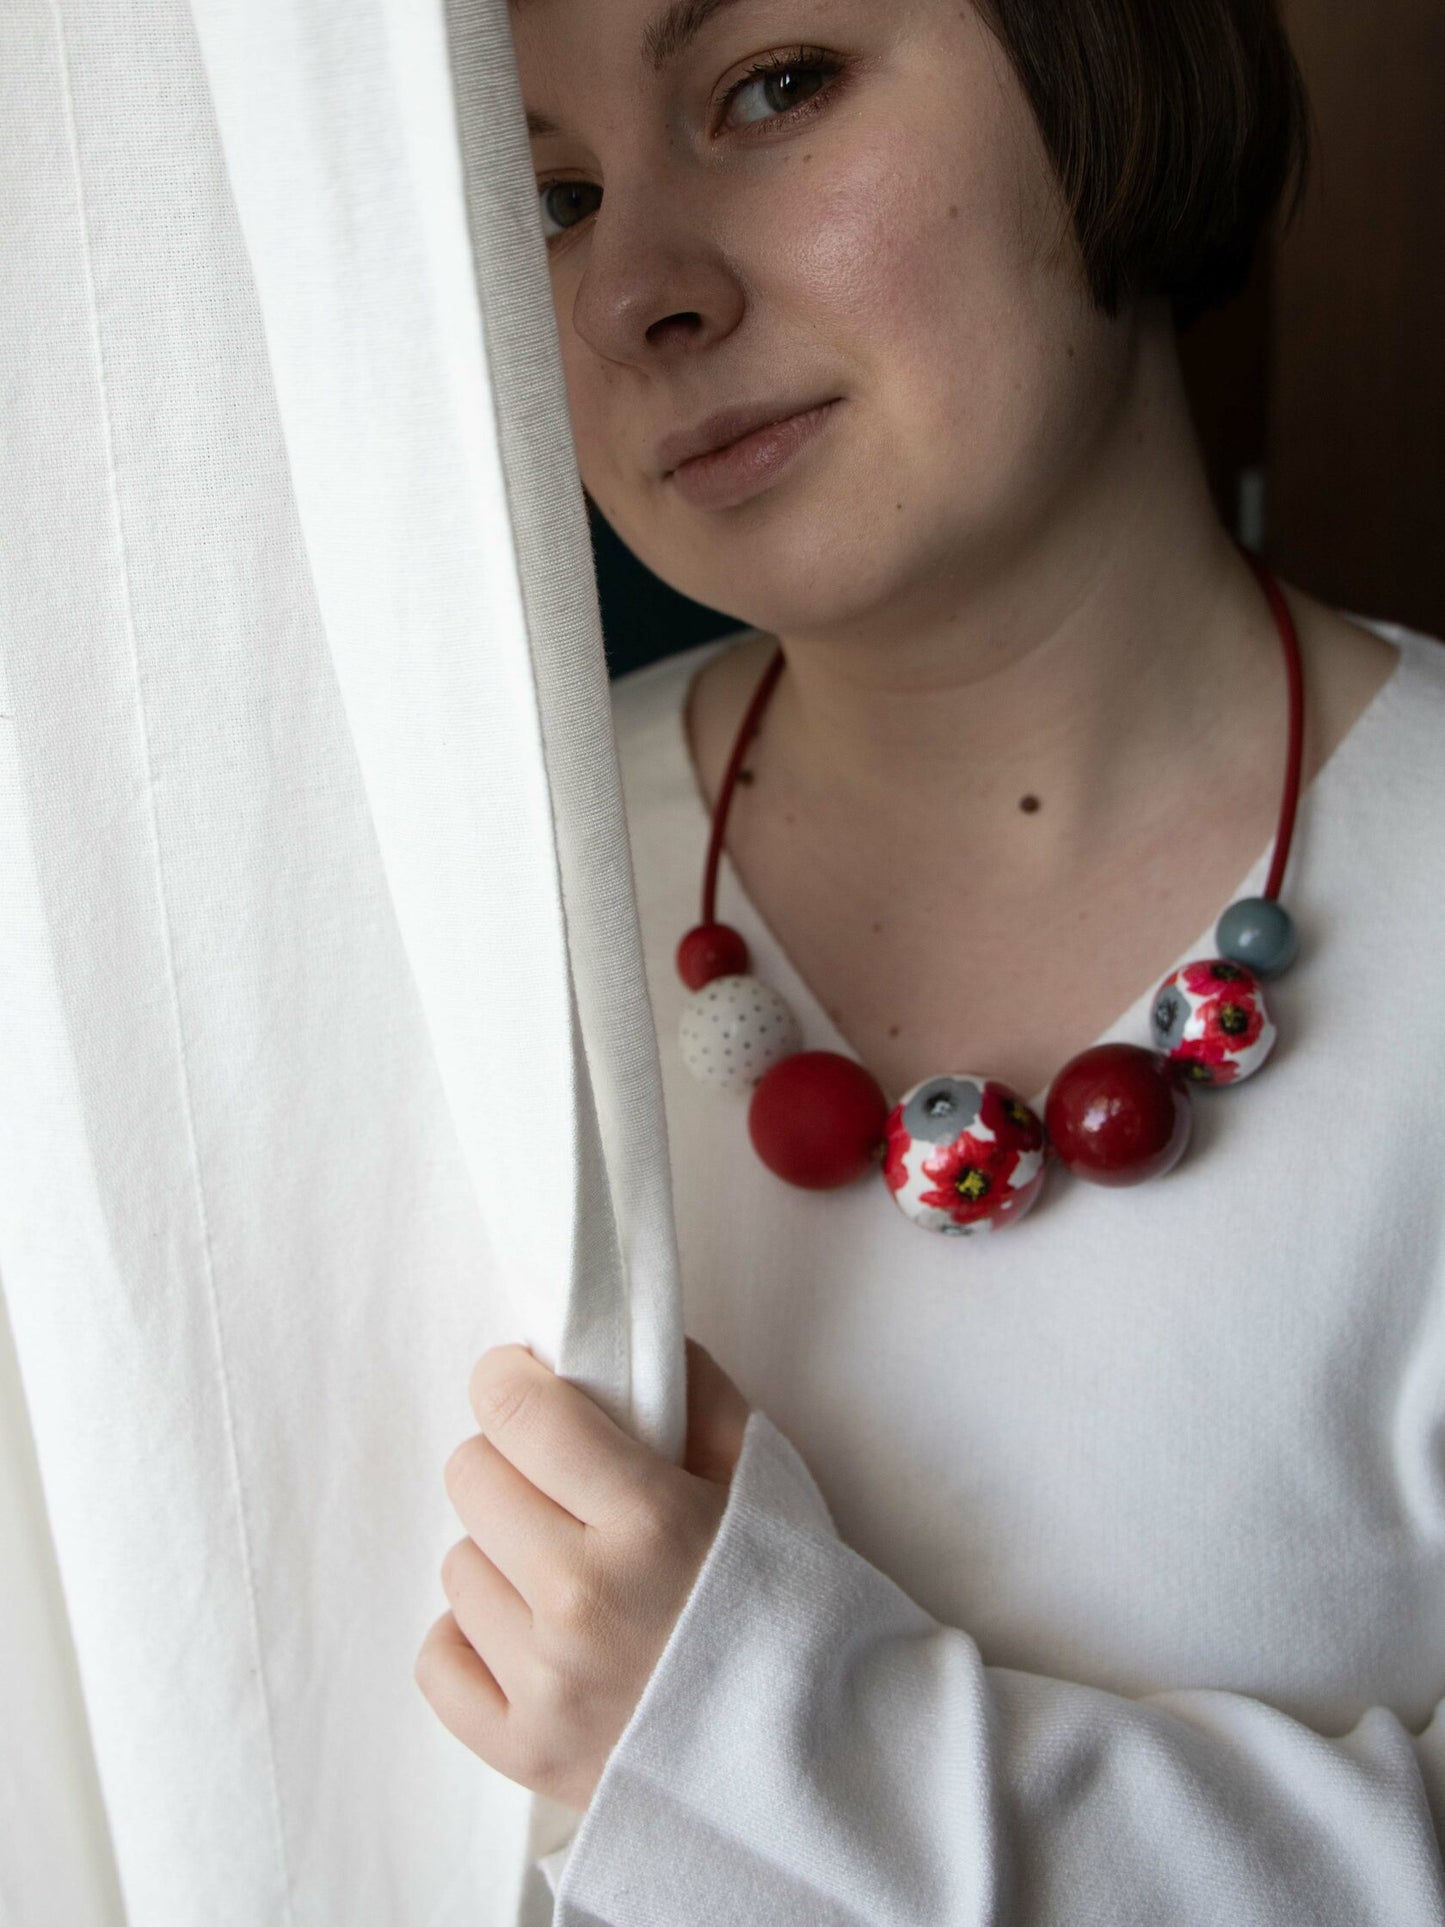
1320 392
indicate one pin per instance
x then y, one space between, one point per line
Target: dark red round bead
816 1120
1118 1114
711 950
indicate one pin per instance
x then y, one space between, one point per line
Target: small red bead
816 1120
711 950
1118 1114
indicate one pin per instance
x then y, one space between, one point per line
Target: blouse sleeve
813 1749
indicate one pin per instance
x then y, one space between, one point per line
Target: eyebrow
664 40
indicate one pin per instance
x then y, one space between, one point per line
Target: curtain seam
127 602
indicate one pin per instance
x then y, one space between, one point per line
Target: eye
766 76
546 189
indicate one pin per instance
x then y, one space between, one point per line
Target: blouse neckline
1129 1025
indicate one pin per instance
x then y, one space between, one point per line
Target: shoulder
1348 662
1374 702
1370 824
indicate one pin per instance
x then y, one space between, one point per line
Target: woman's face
878 223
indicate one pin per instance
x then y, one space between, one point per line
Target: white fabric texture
1092 1574
326 1060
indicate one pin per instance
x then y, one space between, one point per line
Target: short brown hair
1174 127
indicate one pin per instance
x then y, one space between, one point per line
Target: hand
582 1548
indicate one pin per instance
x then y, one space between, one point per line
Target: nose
654 284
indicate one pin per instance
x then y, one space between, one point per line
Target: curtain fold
326 1059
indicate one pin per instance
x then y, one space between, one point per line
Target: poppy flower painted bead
1210 1019
734 1030
964 1155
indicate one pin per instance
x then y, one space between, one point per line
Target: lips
728 425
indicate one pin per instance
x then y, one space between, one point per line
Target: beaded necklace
962 1153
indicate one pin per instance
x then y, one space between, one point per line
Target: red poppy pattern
1009 1118
981 1179
896 1144
1211 1019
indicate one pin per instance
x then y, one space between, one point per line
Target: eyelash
798 60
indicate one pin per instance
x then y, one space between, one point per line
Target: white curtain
326 1059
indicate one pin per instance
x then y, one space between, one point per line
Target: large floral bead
964 1154
733 1030
1211 1021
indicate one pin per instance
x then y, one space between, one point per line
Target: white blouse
1094 1571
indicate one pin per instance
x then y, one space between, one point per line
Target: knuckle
537 1762
557 1699
667 1529
572 1602
502 1395
652 1522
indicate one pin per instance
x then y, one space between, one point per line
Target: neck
1084 664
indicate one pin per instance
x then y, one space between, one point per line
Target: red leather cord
1289 802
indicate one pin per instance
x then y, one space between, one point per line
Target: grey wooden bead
1259 933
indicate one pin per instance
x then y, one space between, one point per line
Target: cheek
925 277
860 250
591 408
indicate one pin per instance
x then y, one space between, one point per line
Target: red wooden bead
1118 1114
711 950
816 1120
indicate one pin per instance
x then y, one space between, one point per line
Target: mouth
741 469
725 429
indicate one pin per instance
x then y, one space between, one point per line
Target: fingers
524 1534
565 1446
492 1615
559 1439
461 1688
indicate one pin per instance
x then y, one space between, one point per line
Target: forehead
666 35
671 28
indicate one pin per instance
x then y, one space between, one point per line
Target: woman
1090 1570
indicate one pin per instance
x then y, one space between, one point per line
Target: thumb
717 1415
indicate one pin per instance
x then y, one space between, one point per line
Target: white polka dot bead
734 1030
